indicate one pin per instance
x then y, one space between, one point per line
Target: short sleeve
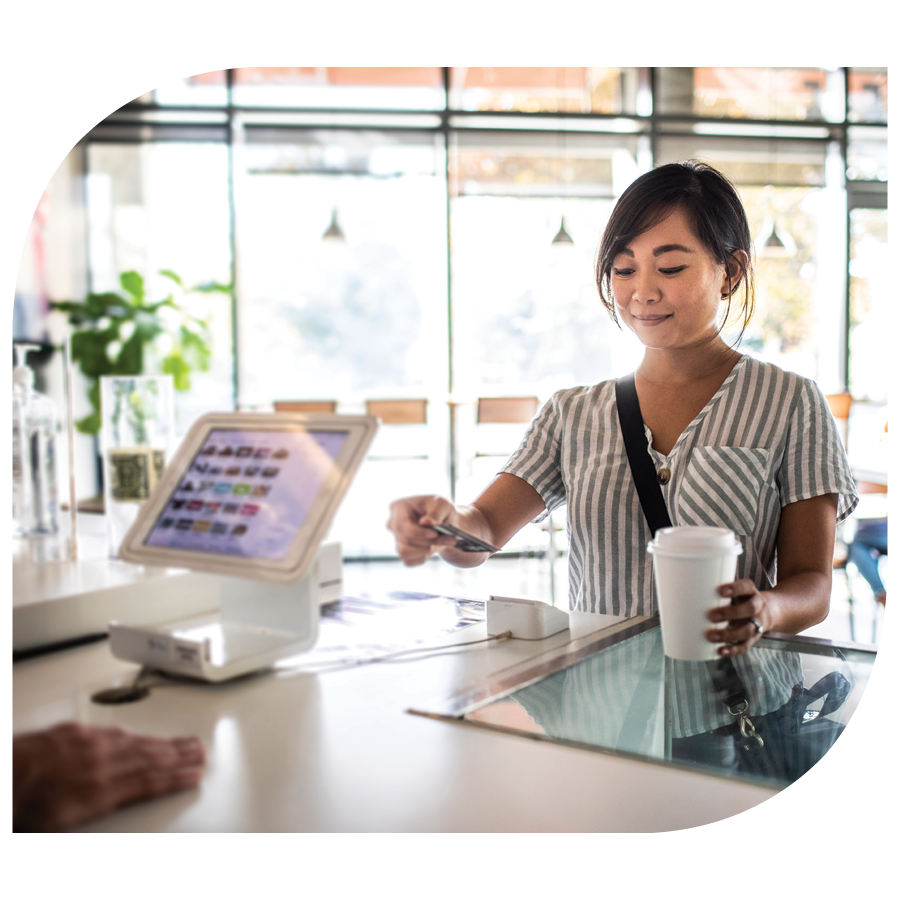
814 461
537 460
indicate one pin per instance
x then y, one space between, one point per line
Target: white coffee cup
689 563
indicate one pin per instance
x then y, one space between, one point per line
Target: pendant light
334 232
562 236
775 246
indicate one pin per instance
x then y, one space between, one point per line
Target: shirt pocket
722 487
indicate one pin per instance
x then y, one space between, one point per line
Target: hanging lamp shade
334 231
562 236
775 246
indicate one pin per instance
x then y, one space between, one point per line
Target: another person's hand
71 774
409 521
748 607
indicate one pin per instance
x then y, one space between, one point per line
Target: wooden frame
399 412
506 409
306 406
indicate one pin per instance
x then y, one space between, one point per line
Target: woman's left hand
744 620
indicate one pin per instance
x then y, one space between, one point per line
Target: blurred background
426 236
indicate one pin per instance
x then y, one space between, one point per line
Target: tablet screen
247 493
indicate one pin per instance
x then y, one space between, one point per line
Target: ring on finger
757 626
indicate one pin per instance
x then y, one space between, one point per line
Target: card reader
528 619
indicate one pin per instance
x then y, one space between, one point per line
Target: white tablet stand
258 623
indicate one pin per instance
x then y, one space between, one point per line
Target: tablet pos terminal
247 499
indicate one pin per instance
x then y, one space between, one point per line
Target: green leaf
175 366
168 273
133 283
94 394
212 287
89 424
195 349
130 360
147 328
99 305
69 306
89 349
169 301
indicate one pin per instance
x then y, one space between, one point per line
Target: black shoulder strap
725 678
639 459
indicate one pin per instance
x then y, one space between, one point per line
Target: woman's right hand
409 521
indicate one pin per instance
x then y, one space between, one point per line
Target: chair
403 461
306 406
506 409
399 412
501 411
495 413
400 439
840 404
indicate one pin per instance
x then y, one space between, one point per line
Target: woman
736 442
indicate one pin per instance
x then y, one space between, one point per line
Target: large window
429 234
161 205
360 314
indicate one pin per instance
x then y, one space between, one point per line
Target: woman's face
667 286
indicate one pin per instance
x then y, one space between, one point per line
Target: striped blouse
766 439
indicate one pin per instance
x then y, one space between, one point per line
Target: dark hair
713 208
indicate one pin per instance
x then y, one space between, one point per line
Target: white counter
336 751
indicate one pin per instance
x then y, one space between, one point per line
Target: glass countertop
768 718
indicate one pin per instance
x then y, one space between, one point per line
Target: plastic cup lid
690 539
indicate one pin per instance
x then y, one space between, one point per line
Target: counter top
335 750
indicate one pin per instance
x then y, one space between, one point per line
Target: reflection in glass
867 154
868 95
314 87
629 698
752 92
598 89
751 160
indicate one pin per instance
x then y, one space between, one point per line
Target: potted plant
124 333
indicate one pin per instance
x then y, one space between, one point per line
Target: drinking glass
136 437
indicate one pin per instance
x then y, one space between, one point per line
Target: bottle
35 495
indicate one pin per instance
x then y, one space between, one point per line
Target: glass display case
768 716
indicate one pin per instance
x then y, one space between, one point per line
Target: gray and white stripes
766 439
617 699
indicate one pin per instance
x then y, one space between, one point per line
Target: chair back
399 412
306 406
506 409
840 404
